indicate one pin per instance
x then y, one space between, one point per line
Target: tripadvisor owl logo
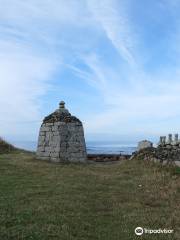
139 231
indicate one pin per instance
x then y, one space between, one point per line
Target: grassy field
41 200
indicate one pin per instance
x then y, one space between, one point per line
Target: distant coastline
93 147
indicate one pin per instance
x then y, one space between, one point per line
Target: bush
6 147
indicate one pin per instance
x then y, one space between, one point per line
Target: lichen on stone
60 116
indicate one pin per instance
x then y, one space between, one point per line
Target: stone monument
61 138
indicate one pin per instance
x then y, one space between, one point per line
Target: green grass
41 200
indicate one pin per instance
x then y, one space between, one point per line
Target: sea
93 147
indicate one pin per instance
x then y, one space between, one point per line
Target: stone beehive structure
61 137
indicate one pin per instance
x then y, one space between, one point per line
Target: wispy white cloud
24 79
143 105
116 25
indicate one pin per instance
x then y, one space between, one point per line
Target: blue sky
115 63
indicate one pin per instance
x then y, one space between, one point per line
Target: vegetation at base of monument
41 200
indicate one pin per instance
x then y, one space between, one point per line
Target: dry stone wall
167 151
61 138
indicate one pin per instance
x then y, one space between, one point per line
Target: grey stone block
47 149
41 149
55 128
42 133
49 124
54 154
45 154
44 129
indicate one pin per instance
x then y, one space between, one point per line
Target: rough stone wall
164 154
61 138
169 150
169 153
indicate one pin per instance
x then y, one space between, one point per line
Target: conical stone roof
61 115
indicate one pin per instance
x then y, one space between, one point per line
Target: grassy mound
44 201
6 147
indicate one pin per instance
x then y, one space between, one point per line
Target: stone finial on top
62 105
